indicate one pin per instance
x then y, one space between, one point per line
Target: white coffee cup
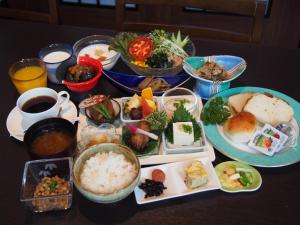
30 118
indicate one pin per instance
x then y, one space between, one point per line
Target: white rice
106 173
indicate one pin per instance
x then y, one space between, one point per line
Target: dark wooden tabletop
276 202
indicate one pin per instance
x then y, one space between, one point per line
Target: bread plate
240 152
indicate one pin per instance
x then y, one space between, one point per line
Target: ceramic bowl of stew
51 138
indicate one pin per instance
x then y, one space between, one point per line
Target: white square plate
175 176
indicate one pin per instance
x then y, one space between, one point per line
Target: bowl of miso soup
51 138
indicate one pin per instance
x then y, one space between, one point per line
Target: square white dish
127 120
198 146
161 157
175 176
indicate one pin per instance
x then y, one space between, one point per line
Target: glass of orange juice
28 73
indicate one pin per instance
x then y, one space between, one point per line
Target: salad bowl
158 53
149 71
232 65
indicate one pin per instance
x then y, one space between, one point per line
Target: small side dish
196 175
47 184
212 71
146 142
91 135
176 96
182 129
155 186
238 177
156 84
138 107
80 73
84 75
100 109
50 186
176 179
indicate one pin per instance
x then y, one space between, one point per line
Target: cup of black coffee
40 103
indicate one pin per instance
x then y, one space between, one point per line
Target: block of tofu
183 133
269 109
196 175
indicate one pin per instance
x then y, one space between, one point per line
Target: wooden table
276 202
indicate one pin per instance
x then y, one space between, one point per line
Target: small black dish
57 137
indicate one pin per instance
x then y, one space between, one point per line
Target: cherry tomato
140 48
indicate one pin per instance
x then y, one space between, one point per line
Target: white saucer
14 120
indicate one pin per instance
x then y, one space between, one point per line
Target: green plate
284 158
257 180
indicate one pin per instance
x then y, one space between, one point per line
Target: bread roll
237 102
240 127
269 109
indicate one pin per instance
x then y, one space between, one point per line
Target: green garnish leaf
52 185
182 115
187 128
216 112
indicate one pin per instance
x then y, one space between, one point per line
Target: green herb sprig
216 112
157 121
52 185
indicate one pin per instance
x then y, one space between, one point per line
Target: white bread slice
269 109
237 102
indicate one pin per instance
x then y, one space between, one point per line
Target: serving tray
161 157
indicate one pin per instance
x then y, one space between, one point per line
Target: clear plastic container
175 96
33 174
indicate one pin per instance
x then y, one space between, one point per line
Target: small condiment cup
53 65
30 118
27 74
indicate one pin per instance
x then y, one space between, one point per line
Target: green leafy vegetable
157 121
159 60
101 108
163 43
216 112
245 178
121 42
178 39
182 115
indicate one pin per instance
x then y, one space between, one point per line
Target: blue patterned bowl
233 65
130 82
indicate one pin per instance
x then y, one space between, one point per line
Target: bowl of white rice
106 173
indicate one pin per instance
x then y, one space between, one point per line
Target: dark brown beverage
38 104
